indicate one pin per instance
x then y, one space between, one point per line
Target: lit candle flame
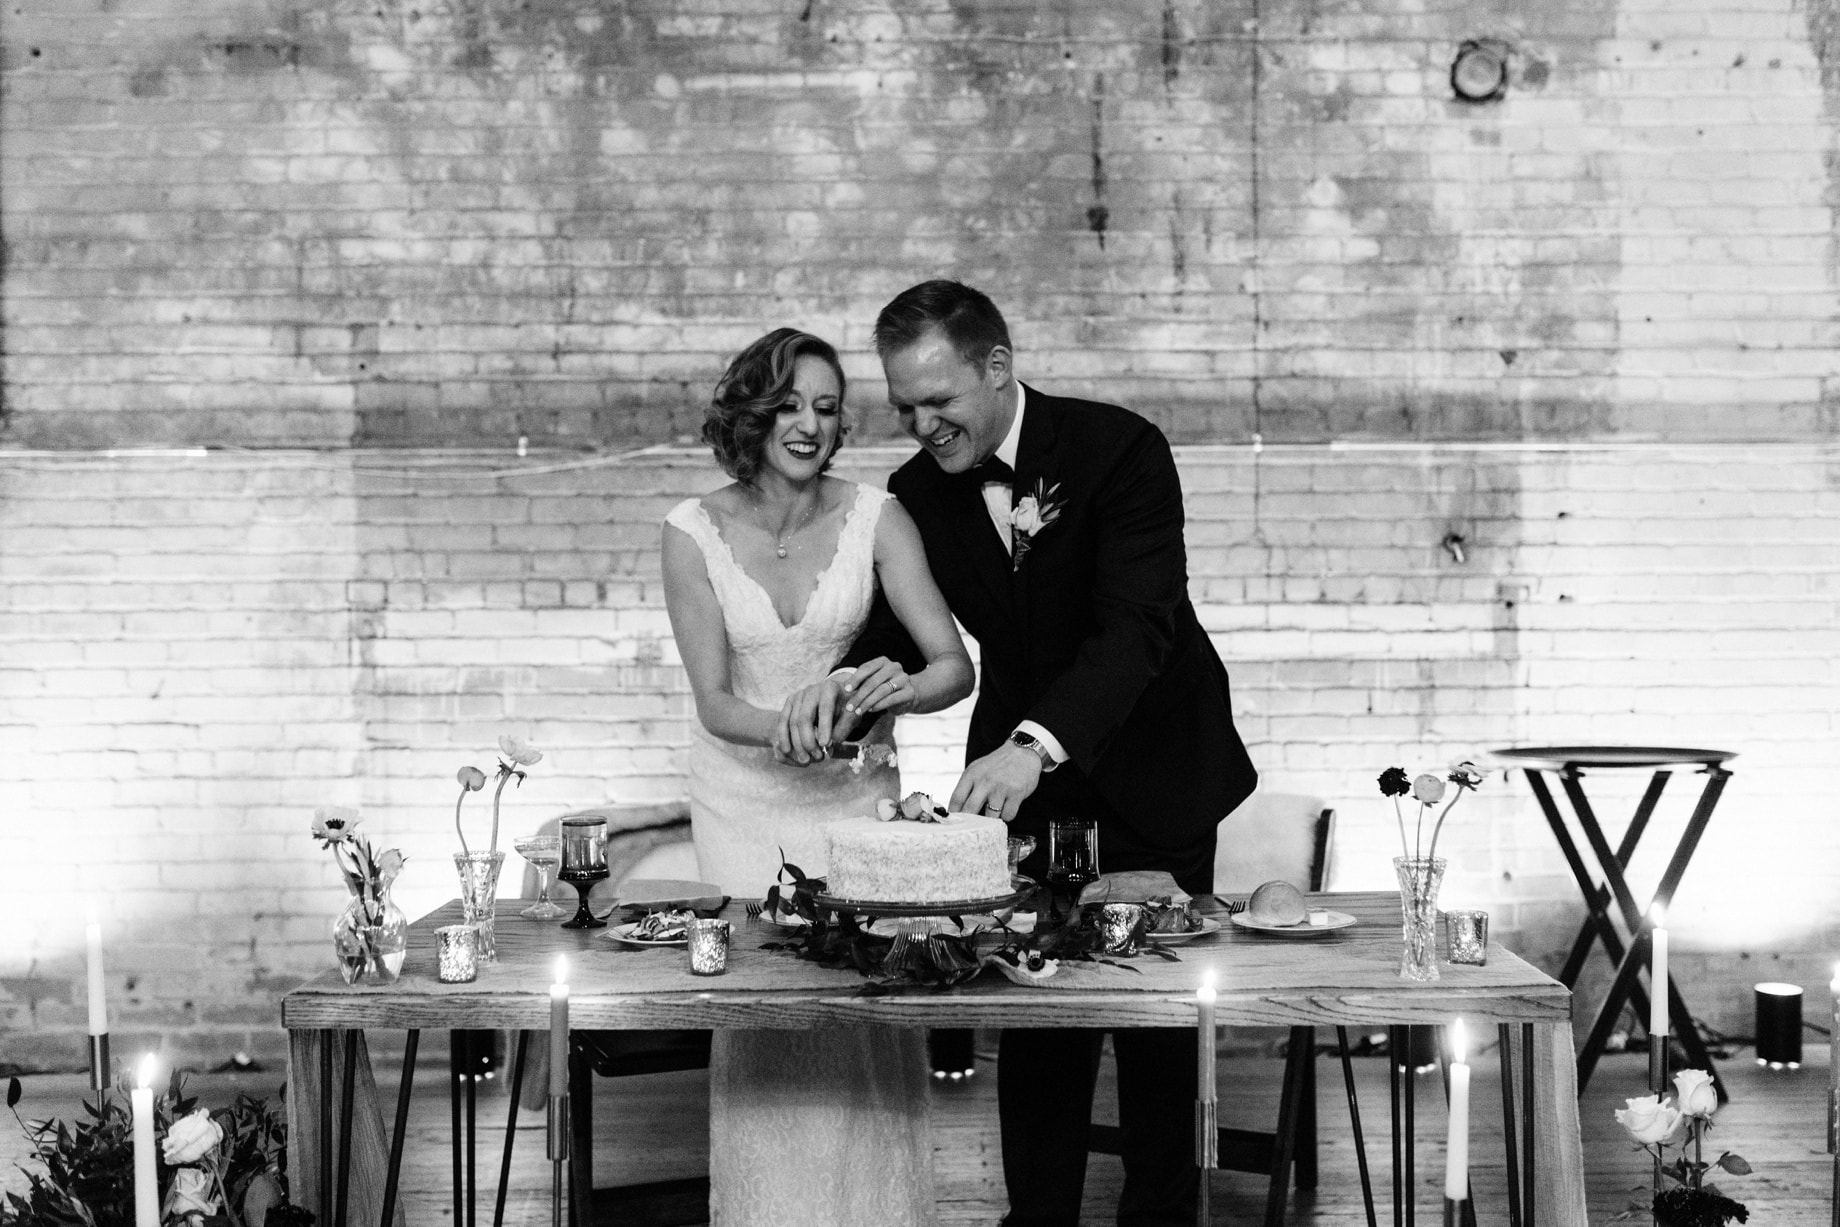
1836 984
150 1066
1459 1041
1206 991
562 969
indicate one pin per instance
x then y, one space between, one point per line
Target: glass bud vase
1419 879
479 897
370 940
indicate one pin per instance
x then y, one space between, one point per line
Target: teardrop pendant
780 550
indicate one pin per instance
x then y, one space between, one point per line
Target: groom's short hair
967 316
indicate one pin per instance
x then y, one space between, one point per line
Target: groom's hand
998 783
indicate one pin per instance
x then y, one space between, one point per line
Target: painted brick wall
241 223
201 649
343 247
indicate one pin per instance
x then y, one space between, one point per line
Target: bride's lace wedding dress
824 1128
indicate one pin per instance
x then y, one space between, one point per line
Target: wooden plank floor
655 1128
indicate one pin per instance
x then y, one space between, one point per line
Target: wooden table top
1345 976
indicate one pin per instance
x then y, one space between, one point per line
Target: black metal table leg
1527 1134
325 1124
1504 1037
1354 1118
455 1066
1395 1045
517 1092
1408 1077
403 1089
346 1077
471 1087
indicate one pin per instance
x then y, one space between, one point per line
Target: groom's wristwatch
1020 738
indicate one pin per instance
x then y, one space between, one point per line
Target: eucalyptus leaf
1734 1164
13 1092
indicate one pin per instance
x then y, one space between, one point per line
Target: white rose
191 1193
519 751
1648 1120
1428 789
191 1138
1694 1092
1027 516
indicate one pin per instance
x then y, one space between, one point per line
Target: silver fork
754 910
1234 906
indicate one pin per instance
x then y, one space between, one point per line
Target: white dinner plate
1337 920
1209 927
623 934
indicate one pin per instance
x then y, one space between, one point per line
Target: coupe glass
544 852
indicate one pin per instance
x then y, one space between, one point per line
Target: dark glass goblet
584 862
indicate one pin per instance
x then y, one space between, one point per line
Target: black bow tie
993 470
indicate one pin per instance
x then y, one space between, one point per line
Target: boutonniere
1033 512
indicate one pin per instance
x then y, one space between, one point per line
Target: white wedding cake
939 858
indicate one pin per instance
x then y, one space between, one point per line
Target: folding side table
1605 884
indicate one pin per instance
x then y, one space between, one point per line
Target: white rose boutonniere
1032 513
191 1138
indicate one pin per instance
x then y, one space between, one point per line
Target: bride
767 581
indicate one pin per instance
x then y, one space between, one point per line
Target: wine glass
584 862
544 853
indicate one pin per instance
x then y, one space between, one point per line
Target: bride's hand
809 720
879 685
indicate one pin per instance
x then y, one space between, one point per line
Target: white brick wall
198 650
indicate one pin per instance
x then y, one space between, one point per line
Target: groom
1054 528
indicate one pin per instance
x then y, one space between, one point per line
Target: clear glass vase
370 940
479 897
1419 879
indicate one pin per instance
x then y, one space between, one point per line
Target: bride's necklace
786 534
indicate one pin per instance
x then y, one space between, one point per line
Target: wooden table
1348 977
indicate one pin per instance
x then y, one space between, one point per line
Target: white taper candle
559 1030
146 1171
1658 975
98 993
1456 1171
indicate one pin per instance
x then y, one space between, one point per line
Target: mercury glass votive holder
456 952
1468 933
707 943
1120 925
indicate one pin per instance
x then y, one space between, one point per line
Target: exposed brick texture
200 650
430 224
359 250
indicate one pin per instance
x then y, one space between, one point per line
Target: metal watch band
1020 738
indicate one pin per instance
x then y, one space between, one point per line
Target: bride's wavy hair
748 396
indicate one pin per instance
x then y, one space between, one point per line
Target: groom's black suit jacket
1092 635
